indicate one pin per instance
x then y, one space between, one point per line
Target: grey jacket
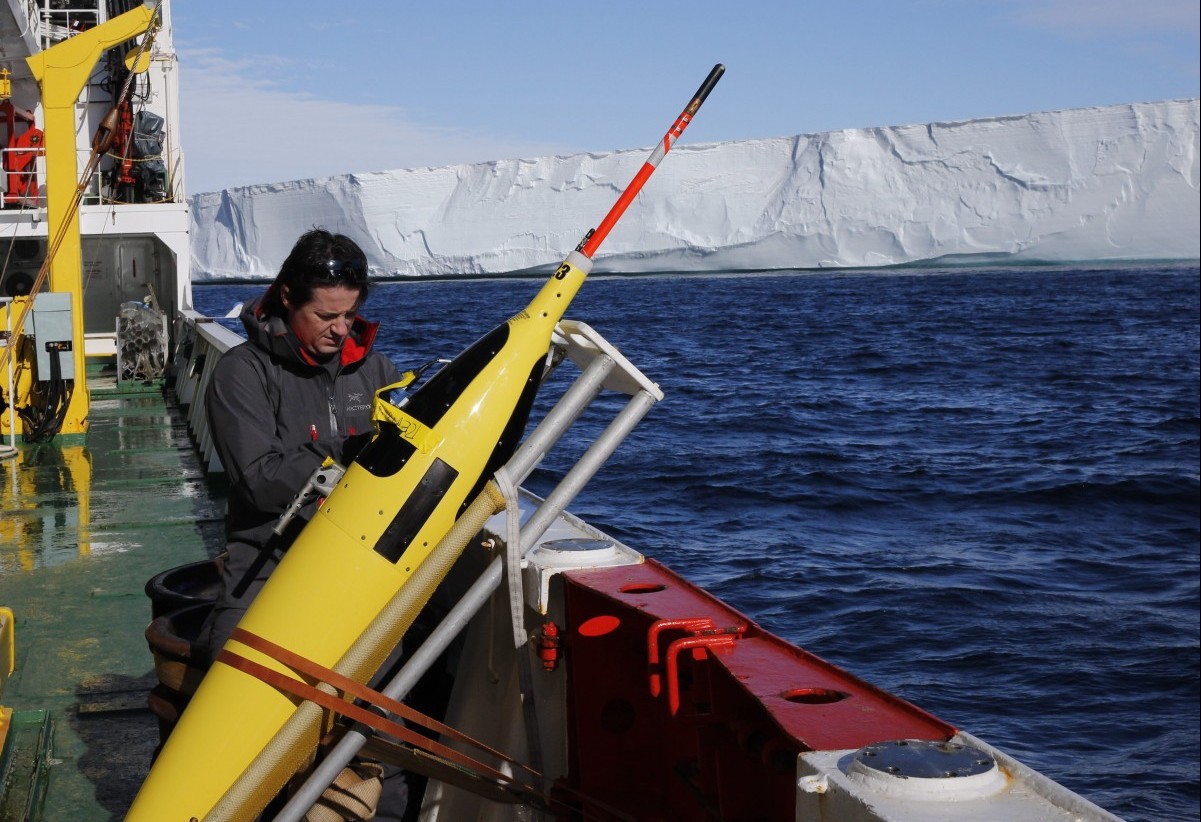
275 415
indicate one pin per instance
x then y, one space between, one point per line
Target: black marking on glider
416 510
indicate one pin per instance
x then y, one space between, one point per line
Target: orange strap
382 724
356 689
338 705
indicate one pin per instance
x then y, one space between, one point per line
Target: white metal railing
18 186
56 20
200 343
11 183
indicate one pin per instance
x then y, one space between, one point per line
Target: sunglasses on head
339 269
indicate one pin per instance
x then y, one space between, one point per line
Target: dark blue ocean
976 488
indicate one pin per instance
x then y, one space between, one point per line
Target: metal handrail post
585 468
559 419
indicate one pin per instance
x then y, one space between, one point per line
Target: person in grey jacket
297 391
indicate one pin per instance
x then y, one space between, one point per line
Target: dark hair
318 259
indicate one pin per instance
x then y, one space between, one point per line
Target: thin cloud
1109 15
241 128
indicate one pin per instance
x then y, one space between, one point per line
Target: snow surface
1112 183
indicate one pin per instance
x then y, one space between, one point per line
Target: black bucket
181 659
187 585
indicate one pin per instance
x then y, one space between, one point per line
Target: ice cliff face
1114 183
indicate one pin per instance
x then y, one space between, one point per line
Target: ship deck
85 522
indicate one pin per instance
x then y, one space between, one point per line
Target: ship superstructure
94 216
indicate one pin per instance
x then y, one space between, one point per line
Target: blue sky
278 90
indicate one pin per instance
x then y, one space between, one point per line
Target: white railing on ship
50 24
200 343
13 179
92 194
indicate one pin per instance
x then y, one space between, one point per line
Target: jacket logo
354 396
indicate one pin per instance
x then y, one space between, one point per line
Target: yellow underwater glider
360 571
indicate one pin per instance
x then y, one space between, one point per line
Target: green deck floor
84 522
